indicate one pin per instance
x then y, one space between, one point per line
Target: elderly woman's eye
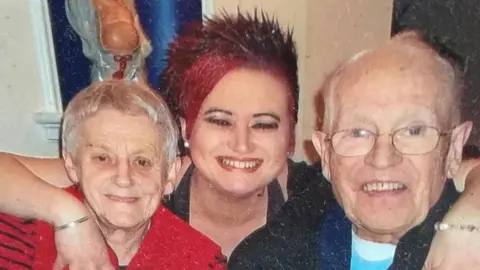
143 162
101 158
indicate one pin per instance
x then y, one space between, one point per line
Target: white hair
125 96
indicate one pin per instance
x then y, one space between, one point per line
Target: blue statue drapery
161 20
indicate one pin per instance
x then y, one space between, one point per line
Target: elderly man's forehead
394 56
391 74
416 65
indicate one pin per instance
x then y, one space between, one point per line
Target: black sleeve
301 175
287 241
470 151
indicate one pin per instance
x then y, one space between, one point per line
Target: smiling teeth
240 164
383 186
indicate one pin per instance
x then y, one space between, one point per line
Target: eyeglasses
412 140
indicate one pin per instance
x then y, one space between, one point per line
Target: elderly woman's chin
123 216
123 220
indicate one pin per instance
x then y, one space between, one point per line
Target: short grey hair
125 96
452 76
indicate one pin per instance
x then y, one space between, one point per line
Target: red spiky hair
203 54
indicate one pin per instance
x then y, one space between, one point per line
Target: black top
299 176
290 241
304 181
289 237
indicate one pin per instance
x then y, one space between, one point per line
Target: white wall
28 91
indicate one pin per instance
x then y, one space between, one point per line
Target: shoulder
192 246
178 229
74 191
301 174
309 193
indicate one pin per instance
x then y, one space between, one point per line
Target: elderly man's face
383 191
119 166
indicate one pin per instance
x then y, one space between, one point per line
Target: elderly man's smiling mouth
376 188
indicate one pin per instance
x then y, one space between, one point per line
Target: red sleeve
17 243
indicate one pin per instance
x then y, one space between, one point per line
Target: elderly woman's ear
70 166
173 175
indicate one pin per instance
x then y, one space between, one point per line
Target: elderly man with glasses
392 137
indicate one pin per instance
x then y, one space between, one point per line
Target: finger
427 265
59 263
107 267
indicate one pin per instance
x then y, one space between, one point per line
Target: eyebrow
217 110
103 146
256 115
406 117
357 118
273 115
144 150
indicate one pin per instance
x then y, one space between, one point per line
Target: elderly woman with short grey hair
120 147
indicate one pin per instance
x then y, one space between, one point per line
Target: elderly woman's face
241 136
119 165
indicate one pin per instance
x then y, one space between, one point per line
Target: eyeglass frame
391 135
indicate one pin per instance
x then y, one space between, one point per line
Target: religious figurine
112 37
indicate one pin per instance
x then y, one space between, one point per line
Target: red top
170 243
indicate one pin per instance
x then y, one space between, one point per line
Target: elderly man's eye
358 132
414 131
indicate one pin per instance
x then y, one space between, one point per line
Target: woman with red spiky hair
233 81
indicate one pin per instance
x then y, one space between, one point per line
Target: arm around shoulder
25 195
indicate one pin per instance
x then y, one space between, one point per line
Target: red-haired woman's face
241 137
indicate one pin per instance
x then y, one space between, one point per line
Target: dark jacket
303 238
288 240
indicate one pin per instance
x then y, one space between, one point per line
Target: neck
224 209
365 234
124 242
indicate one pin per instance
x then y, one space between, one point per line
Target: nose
123 177
240 141
383 154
